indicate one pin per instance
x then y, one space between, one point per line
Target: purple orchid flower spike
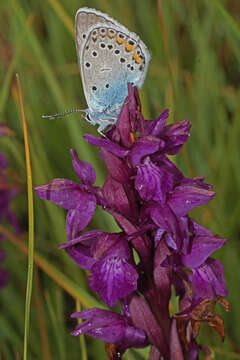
159 245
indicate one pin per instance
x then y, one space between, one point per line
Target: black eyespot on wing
87 64
94 88
102 45
94 53
110 47
122 60
117 52
107 86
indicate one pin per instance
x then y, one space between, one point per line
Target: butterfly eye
88 118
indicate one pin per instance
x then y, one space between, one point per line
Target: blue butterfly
109 57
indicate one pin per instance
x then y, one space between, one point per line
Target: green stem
30 224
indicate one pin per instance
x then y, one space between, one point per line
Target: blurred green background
194 71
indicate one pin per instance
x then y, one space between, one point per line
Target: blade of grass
165 43
232 24
8 77
53 316
38 51
67 21
41 319
82 338
30 223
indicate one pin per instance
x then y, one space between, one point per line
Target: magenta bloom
110 327
108 257
150 199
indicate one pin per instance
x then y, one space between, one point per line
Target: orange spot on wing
137 58
120 41
129 47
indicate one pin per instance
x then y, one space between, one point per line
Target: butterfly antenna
64 113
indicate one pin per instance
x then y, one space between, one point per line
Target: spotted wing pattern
109 57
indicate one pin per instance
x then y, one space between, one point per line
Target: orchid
150 199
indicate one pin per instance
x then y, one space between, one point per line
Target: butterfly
109 56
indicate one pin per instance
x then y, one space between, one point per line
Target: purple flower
110 327
108 257
79 199
208 280
150 200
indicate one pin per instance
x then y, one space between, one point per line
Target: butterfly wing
84 20
109 57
